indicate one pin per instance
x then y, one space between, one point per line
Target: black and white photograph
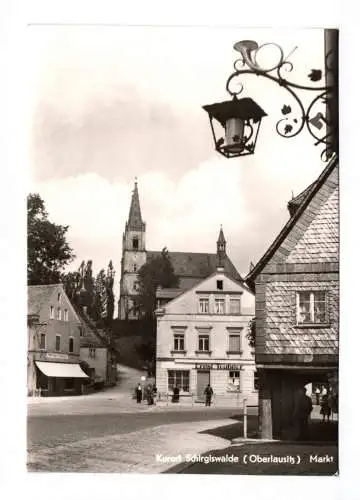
183 250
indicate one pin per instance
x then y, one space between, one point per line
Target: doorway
203 379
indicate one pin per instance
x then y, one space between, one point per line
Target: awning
63 370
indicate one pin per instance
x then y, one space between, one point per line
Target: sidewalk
150 450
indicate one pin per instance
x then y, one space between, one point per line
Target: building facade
100 358
190 267
54 331
296 285
202 339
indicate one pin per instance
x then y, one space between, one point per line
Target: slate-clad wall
308 259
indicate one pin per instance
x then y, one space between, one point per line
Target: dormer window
219 284
135 243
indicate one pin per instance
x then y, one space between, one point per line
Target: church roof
135 221
197 265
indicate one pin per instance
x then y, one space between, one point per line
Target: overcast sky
111 103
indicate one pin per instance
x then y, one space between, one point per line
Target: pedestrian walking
302 411
176 393
208 395
138 392
325 408
317 395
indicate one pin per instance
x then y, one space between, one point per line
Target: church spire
221 248
135 221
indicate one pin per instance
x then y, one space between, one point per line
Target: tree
48 250
156 272
251 335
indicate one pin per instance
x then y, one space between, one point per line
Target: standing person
303 408
317 395
149 395
176 392
208 395
138 392
325 408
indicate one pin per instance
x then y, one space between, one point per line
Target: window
219 306
234 380
59 313
204 342
256 381
92 352
57 342
179 342
234 306
136 285
42 340
71 344
81 331
59 297
52 312
235 343
66 315
180 379
204 306
219 284
135 243
135 268
310 307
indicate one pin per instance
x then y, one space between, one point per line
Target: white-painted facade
202 338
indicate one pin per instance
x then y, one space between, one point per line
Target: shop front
59 379
231 382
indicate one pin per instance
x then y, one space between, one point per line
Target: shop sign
56 355
217 366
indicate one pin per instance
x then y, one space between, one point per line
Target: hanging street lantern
240 122
235 124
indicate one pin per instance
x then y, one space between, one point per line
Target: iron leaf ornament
286 109
315 75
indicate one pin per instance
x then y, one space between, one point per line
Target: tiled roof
39 295
196 265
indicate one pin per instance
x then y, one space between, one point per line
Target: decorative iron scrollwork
294 119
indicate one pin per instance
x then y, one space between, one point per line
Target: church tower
133 257
221 248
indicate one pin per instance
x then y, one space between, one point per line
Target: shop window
219 284
52 312
204 306
234 306
234 380
66 315
43 341
310 307
135 243
204 343
179 342
57 342
59 313
71 344
235 343
219 306
180 379
256 381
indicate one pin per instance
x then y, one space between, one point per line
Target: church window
135 243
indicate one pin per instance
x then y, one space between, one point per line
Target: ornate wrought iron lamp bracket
293 121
